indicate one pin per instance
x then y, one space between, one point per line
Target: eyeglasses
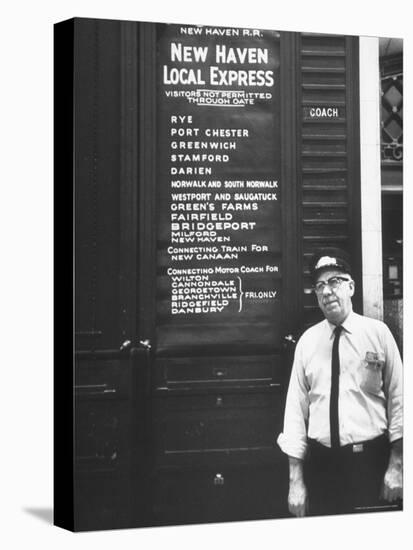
333 283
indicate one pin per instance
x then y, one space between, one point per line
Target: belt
375 444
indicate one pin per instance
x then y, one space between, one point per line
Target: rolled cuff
294 448
395 434
395 413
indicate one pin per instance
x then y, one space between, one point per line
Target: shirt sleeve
393 386
293 439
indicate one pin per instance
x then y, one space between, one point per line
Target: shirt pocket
370 373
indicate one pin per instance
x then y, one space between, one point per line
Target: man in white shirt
343 417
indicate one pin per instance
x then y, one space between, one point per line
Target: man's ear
352 286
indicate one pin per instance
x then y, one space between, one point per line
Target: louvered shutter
329 178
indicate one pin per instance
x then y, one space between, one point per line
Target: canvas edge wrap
63 274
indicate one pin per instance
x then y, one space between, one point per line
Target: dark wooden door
222 274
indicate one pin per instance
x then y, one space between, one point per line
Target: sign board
219 192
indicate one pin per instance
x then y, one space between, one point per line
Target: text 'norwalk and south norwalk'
227 184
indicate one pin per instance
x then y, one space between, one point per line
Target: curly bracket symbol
240 294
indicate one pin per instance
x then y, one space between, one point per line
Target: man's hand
297 499
392 484
392 488
297 496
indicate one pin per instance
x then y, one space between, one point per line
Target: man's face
335 303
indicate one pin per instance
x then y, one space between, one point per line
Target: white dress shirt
370 389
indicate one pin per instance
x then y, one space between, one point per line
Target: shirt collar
348 324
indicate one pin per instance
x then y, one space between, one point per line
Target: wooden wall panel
97 190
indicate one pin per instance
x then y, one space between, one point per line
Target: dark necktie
335 376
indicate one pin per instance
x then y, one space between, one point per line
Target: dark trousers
347 479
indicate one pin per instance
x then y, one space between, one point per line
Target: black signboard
219 226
